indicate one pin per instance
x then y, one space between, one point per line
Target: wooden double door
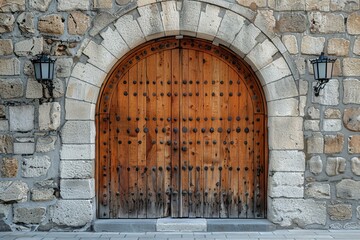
181 133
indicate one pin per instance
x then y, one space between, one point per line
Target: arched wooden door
181 132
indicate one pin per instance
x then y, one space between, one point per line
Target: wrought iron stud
228 130
195 130
137 130
203 130
238 129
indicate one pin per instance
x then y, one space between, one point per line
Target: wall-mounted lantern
44 71
323 67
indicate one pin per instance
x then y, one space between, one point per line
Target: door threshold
183 225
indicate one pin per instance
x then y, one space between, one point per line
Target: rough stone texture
12 5
284 107
312 5
6 144
21 118
6 22
26 22
252 3
33 89
9 167
354 144
287 161
329 95
99 56
52 24
267 51
100 21
230 27
209 22
35 166
76 169
49 116
63 67
312 45
276 70
6 47
326 22
338 47
315 165
356 49
315 143
297 212
65 5
332 125
29 215
286 5
79 110
45 144
88 73
24 146
9 67
2 112
265 21
348 189
351 119
355 165
73 213
40 5
312 125
291 44
28 47
291 22
151 28
286 185
83 151
81 90
344 5
313 112
78 23
351 91
335 166
332 113
286 133
78 132
246 39
103 3
340 212
351 67
77 188
334 143
42 194
16 191
317 190
353 23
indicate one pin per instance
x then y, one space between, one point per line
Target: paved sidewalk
275 235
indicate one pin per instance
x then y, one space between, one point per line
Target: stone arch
222 23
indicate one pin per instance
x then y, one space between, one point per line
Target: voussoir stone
35 166
29 215
73 213
12 5
26 22
340 212
348 189
351 119
291 22
78 23
9 167
52 24
355 165
13 191
354 144
353 23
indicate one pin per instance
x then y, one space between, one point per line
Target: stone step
182 224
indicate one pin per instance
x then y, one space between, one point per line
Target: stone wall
47 145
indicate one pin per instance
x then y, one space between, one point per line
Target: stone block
286 184
335 166
6 22
313 5
348 189
334 143
78 23
284 107
326 22
317 190
265 21
103 4
6 47
150 21
276 70
284 88
312 125
29 215
356 49
76 169
287 161
45 143
73 213
6 144
312 45
314 113
40 5
63 67
79 110
285 133
13 191
338 46
36 166
12 5
329 95
9 167
4 125
77 188
34 89
9 67
114 43
340 212
89 74
26 22
209 22
287 5
83 151
245 40
230 27
65 5
267 51
189 17
344 5
332 113
354 144
100 21
42 194
351 67
170 17
332 125
297 212
351 91
21 118
291 22
302 105
11 88
315 165
99 56
52 24
49 116
315 143
291 44
24 146
353 23
355 166
78 132
130 30
80 90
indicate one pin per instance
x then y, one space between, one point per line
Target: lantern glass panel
322 70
